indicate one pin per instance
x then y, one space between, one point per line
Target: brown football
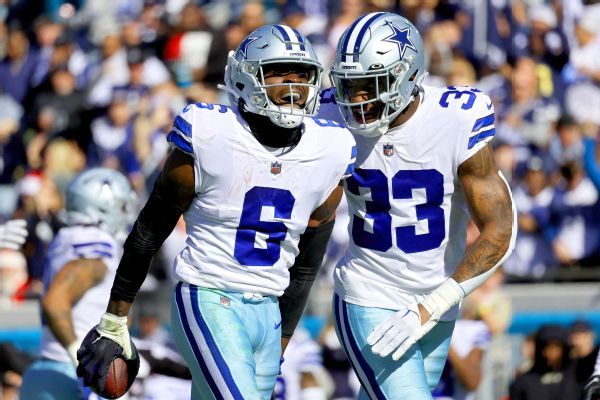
116 380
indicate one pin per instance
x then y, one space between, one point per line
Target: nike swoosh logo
381 52
277 325
489 105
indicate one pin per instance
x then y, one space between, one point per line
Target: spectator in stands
583 349
150 327
528 117
13 363
337 364
67 102
46 33
583 97
303 375
552 376
112 140
532 256
11 147
572 220
16 71
192 46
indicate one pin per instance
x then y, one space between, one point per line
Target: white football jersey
252 203
70 244
407 207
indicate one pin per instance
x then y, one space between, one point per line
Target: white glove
13 234
115 328
447 295
393 331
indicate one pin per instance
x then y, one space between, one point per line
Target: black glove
94 356
592 388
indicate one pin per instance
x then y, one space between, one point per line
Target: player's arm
490 203
492 209
67 287
467 369
312 247
172 194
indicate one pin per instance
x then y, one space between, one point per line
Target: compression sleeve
152 227
312 246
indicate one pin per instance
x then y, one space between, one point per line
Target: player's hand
107 341
13 234
591 391
393 331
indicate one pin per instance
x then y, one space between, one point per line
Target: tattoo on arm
491 208
67 287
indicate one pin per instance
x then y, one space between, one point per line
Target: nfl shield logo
275 168
388 149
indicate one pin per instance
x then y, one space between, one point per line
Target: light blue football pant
231 344
412 377
53 380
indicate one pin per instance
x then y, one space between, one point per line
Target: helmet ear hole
240 86
414 76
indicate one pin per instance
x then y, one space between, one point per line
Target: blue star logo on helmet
401 37
244 45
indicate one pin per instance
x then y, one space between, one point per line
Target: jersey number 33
377 210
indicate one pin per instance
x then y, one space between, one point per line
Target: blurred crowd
98 83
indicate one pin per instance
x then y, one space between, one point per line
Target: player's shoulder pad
192 115
92 242
470 107
465 98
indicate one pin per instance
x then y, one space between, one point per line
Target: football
117 380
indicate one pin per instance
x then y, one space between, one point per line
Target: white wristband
447 295
72 350
115 328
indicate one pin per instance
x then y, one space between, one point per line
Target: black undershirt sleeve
152 227
312 246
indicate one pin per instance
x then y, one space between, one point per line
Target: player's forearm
57 315
485 254
312 246
154 224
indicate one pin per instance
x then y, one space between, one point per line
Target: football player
592 387
250 179
423 168
303 376
80 267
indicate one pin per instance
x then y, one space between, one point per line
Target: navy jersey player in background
250 179
423 168
80 267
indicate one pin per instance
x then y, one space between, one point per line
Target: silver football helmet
244 74
380 61
102 197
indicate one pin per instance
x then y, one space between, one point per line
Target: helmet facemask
303 97
386 93
274 46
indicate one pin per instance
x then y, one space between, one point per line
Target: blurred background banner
98 83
